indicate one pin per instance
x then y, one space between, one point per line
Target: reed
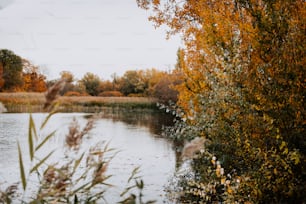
34 102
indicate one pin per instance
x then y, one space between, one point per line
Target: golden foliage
243 72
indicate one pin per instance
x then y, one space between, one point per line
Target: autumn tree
164 90
133 82
91 82
67 76
152 76
10 70
69 79
33 80
106 85
243 72
115 81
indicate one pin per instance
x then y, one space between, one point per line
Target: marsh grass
34 102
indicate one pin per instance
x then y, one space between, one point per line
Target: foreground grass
33 102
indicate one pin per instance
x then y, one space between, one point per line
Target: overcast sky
98 36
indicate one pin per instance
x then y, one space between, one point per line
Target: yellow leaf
282 145
286 151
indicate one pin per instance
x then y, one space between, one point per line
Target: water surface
136 135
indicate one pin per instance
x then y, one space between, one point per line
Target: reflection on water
153 120
135 134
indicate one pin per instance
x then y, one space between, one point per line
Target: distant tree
33 80
80 87
106 86
133 82
69 79
68 76
91 83
179 59
152 77
10 70
116 81
165 90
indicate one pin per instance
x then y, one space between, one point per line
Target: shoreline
33 102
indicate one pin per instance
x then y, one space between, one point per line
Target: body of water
136 135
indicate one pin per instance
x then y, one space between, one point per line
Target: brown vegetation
22 98
12 100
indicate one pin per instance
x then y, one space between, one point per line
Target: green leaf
41 162
21 168
45 140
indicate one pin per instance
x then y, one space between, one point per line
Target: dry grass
22 98
12 100
98 99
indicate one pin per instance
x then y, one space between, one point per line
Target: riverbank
33 102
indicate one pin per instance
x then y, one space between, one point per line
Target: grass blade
32 124
126 190
80 188
96 197
134 172
77 163
45 140
30 137
21 167
47 118
41 162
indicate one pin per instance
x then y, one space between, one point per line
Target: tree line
18 74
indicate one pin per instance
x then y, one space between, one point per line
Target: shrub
111 94
75 93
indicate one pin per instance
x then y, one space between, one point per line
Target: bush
75 93
135 95
111 94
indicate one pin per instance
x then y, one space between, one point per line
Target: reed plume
52 94
194 146
75 136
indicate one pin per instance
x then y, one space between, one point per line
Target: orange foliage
111 94
34 83
33 80
75 93
243 72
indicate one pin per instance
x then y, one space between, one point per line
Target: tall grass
34 102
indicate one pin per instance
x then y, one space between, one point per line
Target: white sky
98 36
